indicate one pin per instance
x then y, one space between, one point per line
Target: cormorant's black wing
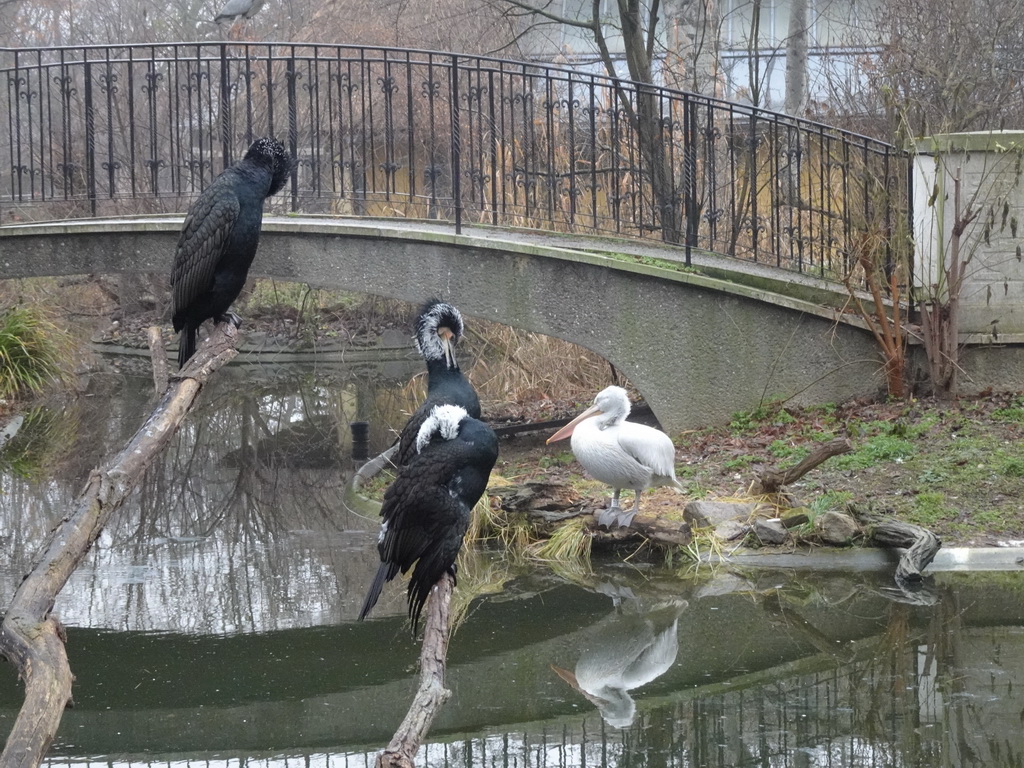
426 512
407 437
204 234
418 509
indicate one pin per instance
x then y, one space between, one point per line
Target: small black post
360 440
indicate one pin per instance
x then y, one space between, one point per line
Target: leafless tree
942 66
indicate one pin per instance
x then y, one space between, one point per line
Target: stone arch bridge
699 345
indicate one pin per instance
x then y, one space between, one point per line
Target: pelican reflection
631 647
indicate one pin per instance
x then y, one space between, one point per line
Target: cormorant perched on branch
219 238
427 508
438 330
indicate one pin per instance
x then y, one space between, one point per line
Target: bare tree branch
591 24
30 636
431 694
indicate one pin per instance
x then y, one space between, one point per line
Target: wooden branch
921 545
30 636
772 480
374 467
546 505
158 353
569 22
431 694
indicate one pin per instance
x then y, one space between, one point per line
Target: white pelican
621 453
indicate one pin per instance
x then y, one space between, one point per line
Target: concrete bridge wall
698 348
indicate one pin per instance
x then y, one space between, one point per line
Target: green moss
740 462
1014 413
786 449
930 508
1011 466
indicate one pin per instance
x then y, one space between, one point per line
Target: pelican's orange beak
565 431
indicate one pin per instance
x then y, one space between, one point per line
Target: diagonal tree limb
30 636
772 480
431 694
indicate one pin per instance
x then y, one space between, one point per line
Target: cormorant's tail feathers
418 594
187 345
419 590
385 573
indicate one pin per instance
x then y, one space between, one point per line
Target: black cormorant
219 238
426 509
439 327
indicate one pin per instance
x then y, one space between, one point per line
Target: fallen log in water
30 636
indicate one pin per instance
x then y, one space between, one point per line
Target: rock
771 531
835 528
730 530
708 514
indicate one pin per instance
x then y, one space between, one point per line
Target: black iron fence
96 131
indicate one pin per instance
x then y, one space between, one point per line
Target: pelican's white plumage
621 453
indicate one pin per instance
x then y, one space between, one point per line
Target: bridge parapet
121 130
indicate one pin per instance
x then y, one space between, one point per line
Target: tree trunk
796 59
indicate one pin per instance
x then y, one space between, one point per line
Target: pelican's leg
615 516
608 517
625 519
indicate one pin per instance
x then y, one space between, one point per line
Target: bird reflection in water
628 649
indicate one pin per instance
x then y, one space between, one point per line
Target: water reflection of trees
241 526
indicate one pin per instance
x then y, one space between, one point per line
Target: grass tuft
570 541
34 352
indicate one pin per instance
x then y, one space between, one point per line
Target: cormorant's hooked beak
448 345
565 431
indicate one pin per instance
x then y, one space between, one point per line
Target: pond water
214 622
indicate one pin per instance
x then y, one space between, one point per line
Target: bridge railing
96 131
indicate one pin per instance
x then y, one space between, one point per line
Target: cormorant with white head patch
439 327
427 508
